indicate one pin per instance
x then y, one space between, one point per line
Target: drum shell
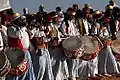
6 67
73 53
89 56
20 69
103 77
21 66
115 50
118 35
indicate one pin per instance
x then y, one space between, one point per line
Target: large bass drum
92 46
115 45
5 65
118 35
73 47
19 63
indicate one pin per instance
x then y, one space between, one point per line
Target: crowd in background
42 34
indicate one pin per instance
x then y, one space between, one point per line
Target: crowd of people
41 37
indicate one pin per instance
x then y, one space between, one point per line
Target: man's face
75 8
72 17
39 41
56 19
112 3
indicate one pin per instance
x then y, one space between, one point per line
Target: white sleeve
1 42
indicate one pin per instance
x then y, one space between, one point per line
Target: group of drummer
72 45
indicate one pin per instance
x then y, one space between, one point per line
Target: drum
73 47
116 49
118 35
92 46
19 63
105 77
5 65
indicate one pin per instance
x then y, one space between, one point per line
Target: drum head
118 35
72 43
90 44
115 46
16 56
2 60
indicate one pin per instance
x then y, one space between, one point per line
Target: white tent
4 4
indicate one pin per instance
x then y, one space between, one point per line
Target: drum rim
117 35
7 52
6 60
96 51
66 50
100 46
7 68
81 47
17 69
114 46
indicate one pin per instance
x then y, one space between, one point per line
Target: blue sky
33 5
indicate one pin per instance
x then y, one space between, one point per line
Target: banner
4 4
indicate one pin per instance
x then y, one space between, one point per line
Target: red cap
48 18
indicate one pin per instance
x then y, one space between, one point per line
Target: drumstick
100 75
107 75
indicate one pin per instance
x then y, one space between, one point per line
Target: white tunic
24 38
1 42
107 63
72 29
87 26
21 34
4 31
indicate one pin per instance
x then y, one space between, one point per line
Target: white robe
59 64
20 34
72 30
107 63
42 64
